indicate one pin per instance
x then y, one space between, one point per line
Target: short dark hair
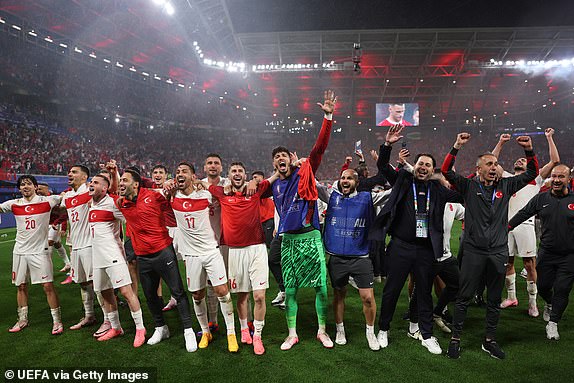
183 163
135 169
280 149
361 170
237 163
258 173
214 155
100 175
26 177
43 184
160 166
426 155
135 175
83 168
483 155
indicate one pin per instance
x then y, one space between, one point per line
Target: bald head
560 177
563 169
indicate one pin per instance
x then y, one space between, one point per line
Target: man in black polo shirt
485 236
413 216
555 267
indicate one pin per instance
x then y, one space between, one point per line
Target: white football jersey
215 210
192 212
77 203
105 226
32 222
521 197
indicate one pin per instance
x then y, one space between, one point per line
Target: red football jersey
386 122
240 217
145 220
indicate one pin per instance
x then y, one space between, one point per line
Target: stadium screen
388 114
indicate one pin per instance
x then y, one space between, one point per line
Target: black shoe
493 349
453 351
407 315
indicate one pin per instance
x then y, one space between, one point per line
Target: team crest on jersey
498 194
571 206
147 199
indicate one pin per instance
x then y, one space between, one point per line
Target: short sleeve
6 207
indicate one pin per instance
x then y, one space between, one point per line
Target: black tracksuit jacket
557 221
485 221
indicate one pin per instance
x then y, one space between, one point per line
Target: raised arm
383 165
552 152
404 154
519 181
361 156
504 138
348 161
320 146
112 168
460 183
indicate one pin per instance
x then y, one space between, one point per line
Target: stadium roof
446 68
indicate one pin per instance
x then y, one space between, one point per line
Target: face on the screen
396 112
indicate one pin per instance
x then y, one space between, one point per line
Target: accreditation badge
422 225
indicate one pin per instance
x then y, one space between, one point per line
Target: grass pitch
530 356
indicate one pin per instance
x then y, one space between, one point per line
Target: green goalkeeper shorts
303 260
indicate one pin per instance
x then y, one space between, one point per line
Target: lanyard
484 193
416 200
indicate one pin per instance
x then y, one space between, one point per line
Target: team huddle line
231 232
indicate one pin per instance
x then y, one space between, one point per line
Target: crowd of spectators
68 117
33 142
